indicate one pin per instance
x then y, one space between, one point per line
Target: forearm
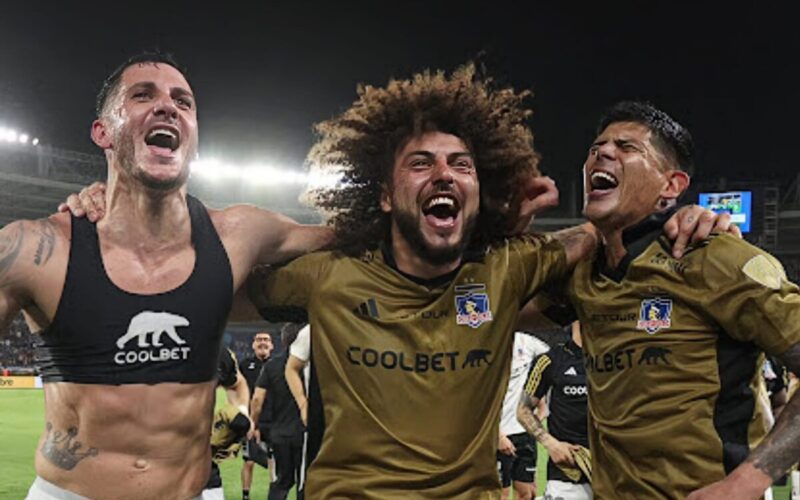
295 382
238 394
528 419
781 448
255 405
579 241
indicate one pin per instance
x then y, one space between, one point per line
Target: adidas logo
571 371
368 309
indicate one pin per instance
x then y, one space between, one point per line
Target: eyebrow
429 154
174 91
619 141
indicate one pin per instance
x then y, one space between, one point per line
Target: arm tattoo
528 419
781 448
61 449
10 246
579 241
47 241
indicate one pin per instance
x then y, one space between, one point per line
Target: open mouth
601 181
163 138
441 210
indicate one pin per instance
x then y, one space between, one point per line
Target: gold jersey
673 359
411 373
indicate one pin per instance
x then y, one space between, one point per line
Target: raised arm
26 248
258 235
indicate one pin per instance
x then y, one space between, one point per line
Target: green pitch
22 420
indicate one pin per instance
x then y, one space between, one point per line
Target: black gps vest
104 335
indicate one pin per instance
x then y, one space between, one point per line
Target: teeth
441 200
161 131
604 176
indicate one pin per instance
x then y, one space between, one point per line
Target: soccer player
560 375
132 309
231 423
516 450
673 347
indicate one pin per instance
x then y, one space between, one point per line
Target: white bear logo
157 323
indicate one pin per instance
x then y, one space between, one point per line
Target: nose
165 107
442 173
607 150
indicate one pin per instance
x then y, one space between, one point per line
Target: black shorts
264 441
521 468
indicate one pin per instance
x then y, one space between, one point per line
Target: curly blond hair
362 143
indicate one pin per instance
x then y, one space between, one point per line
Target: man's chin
167 182
440 254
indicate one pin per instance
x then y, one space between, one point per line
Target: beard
408 225
126 155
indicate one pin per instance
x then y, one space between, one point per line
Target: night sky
263 75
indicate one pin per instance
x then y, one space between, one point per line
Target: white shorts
213 494
45 490
562 490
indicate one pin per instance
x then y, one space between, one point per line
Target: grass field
21 421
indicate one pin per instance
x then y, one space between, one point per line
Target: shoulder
725 256
242 218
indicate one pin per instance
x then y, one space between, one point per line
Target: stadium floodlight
214 170
8 134
264 174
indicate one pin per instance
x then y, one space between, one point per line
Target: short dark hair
671 138
111 83
289 333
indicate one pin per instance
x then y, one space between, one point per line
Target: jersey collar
388 258
635 239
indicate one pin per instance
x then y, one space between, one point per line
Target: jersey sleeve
286 291
301 347
745 290
227 368
536 261
539 377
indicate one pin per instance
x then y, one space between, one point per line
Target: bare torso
136 441
123 441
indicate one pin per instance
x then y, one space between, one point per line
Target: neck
142 217
410 262
576 335
614 247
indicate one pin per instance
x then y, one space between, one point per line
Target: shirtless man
131 309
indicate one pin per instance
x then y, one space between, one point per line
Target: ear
386 199
677 183
101 135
